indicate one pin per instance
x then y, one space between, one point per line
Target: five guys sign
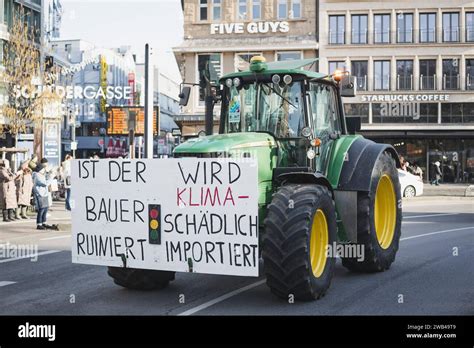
198 215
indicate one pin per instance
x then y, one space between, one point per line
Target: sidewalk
457 190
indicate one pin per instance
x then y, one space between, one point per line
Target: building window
216 10
242 9
288 56
470 74
337 29
336 65
359 70
450 74
209 69
357 110
242 60
428 113
295 9
428 74
405 28
203 10
382 75
282 9
382 28
451 27
359 29
404 74
428 27
256 9
470 26
457 113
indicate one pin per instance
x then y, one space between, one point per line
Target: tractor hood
225 143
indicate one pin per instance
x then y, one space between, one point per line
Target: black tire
376 258
140 279
286 241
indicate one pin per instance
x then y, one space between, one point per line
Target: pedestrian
8 200
437 173
66 172
24 186
42 180
403 163
417 170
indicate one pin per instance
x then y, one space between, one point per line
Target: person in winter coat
41 181
66 173
8 202
24 186
438 174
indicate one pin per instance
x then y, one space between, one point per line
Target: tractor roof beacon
320 184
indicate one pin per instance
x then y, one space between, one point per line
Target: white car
410 185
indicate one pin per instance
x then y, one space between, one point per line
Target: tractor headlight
311 154
228 83
287 79
276 79
306 132
236 82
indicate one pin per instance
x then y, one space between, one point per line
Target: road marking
6 283
53 238
438 232
221 298
31 256
431 215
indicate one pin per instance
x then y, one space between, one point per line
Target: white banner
184 215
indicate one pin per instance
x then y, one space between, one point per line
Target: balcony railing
427 35
337 38
428 83
382 36
451 34
382 84
450 82
470 82
404 82
361 82
359 37
469 34
404 36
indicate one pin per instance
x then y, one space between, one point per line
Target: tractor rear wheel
300 224
379 219
140 279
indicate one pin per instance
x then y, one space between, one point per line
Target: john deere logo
154 224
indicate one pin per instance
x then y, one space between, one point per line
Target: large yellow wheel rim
385 214
318 241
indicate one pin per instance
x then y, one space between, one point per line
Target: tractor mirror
353 124
184 96
348 86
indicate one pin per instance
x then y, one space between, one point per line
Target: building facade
91 68
221 36
414 63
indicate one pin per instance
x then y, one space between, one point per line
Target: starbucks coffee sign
405 98
250 28
403 105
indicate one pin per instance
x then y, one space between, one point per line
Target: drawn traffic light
154 224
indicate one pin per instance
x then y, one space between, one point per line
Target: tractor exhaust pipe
209 114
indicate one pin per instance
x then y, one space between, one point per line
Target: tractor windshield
269 107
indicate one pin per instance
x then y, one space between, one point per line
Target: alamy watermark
354 251
12 251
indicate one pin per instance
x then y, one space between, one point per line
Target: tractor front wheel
300 224
140 279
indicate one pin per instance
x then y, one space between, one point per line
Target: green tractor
321 186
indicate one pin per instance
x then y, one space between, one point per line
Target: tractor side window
323 112
325 119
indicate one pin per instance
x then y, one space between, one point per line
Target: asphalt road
432 275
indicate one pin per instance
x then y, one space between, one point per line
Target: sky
115 23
